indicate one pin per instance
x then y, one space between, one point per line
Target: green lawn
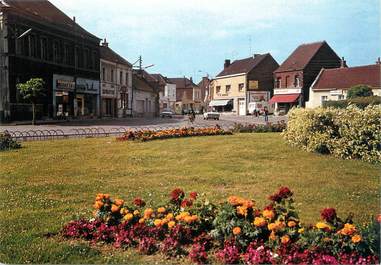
46 184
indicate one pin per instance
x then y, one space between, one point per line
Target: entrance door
242 107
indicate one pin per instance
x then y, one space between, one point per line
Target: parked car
167 113
211 115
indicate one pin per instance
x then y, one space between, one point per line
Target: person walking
266 113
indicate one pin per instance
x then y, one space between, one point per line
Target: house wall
234 93
263 73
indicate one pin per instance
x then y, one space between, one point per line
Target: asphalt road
140 123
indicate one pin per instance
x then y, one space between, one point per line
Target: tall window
121 77
44 49
103 74
323 99
218 89
240 87
296 81
86 58
278 82
112 76
33 46
124 100
287 81
126 79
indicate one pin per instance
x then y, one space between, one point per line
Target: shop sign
108 92
282 91
61 94
259 96
253 84
336 92
65 85
87 85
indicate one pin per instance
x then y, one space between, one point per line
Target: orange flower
157 222
115 208
291 224
379 218
236 230
123 211
161 210
171 224
98 205
272 236
356 238
348 230
269 214
285 239
259 221
242 210
234 200
118 202
248 204
147 213
136 212
142 220
169 216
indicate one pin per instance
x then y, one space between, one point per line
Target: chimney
191 79
105 43
226 64
343 63
256 55
74 19
378 61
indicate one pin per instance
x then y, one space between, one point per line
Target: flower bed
260 128
7 143
148 135
233 232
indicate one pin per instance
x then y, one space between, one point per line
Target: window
228 87
278 82
121 77
33 46
241 87
126 79
44 48
112 76
124 100
86 58
296 81
55 52
218 89
323 99
341 97
79 57
67 54
103 74
287 80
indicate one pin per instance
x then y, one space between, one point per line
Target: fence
90 132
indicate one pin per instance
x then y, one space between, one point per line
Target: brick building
188 95
38 40
294 77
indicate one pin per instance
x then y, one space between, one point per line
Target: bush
7 143
360 102
349 133
240 231
259 128
359 91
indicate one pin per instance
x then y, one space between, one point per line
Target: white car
211 116
167 114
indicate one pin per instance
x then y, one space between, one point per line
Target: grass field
46 184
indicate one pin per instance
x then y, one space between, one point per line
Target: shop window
241 87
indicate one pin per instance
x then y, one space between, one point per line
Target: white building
116 83
333 84
167 93
145 95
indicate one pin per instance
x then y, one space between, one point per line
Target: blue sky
194 37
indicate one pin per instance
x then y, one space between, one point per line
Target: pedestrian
266 113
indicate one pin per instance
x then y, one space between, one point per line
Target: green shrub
7 143
359 91
350 133
259 128
360 102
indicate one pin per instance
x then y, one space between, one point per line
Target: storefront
87 98
222 105
63 96
283 103
109 97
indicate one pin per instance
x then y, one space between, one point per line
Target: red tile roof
242 66
344 78
300 58
108 54
43 10
182 82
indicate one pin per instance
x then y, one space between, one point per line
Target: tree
32 90
359 91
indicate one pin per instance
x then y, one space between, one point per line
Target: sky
194 37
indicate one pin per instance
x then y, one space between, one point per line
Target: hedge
361 102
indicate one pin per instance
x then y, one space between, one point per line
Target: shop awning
219 103
287 98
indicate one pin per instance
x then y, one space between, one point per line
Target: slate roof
300 58
344 78
108 54
43 10
243 65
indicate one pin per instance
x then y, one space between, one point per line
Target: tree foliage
359 91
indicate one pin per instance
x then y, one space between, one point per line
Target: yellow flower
142 220
321 225
269 214
147 213
157 222
236 230
272 236
128 217
291 224
242 210
285 239
123 211
356 238
98 205
136 212
348 230
161 210
171 224
118 202
169 216
272 226
301 231
259 221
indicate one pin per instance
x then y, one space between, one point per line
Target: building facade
145 95
204 86
188 95
294 77
116 83
37 40
333 84
167 93
241 82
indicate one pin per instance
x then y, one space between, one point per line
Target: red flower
193 195
139 202
328 214
177 195
186 203
283 193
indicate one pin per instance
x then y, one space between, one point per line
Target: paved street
107 125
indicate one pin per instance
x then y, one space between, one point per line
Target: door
241 107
